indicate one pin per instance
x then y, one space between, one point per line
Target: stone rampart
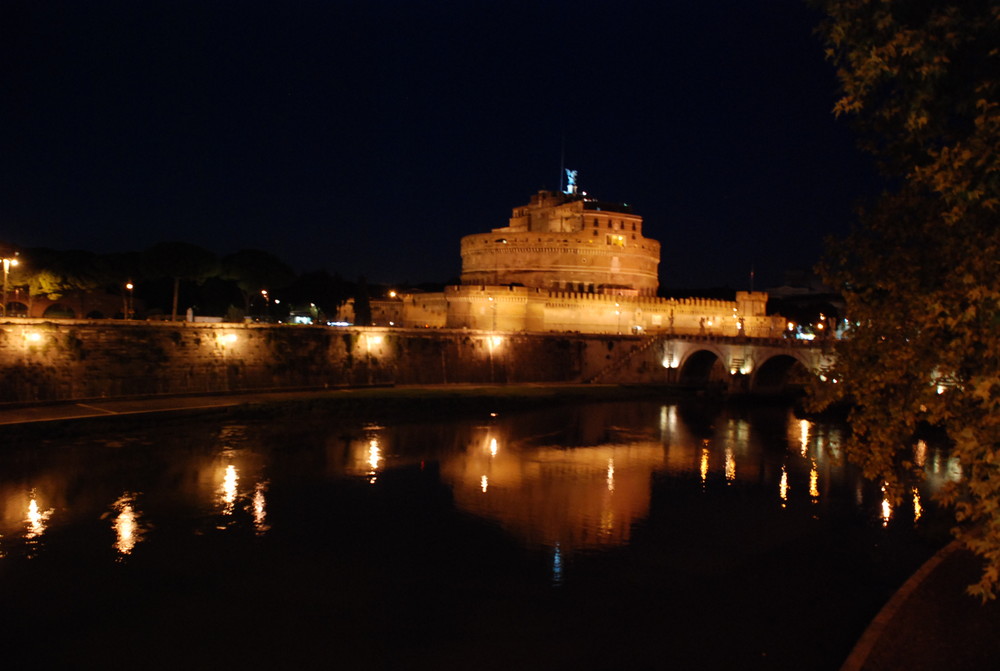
75 359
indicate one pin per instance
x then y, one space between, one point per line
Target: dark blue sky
367 137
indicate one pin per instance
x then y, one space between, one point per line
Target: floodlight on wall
226 339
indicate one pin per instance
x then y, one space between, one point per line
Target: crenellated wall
516 308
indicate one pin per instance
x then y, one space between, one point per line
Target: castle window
616 240
595 234
633 225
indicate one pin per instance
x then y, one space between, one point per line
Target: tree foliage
162 272
253 270
921 273
50 273
181 261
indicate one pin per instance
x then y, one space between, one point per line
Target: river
597 536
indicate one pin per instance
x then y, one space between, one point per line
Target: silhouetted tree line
171 277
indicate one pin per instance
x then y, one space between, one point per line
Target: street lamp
267 303
130 303
7 263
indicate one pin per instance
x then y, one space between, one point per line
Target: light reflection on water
783 486
260 508
814 482
886 507
227 490
548 483
126 524
36 519
377 544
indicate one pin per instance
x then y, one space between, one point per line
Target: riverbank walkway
189 404
930 623
149 405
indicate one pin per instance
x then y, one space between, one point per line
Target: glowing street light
130 302
7 263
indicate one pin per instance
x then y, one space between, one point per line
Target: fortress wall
559 258
515 308
75 360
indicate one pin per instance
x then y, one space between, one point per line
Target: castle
568 262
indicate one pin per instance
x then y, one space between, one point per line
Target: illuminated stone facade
564 242
507 308
569 263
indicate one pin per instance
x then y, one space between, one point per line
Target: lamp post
7 263
130 302
267 304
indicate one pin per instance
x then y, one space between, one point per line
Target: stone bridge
736 364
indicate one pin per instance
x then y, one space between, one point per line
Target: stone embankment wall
74 360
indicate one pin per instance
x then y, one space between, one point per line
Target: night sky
366 138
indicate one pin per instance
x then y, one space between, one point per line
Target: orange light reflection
36 519
227 491
783 487
886 507
704 463
260 508
814 482
126 524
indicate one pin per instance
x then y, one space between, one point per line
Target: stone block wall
74 360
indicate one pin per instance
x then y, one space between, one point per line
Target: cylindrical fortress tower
566 242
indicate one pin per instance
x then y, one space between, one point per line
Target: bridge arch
59 311
702 367
778 373
17 309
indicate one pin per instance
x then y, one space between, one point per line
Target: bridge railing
718 338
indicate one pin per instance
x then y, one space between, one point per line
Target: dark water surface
602 536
